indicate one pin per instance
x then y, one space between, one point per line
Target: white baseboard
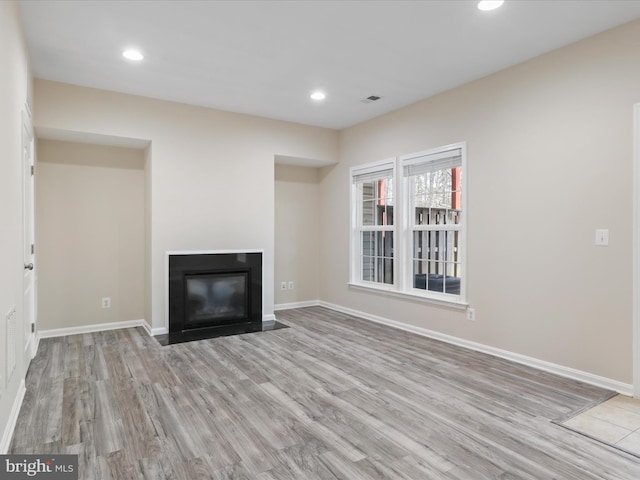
7 435
98 327
590 378
289 306
155 331
268 318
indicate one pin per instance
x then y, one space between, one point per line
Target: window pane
436 197
368 212
436 261
376 201
377 257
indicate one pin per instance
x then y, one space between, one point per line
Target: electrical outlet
291 285
106 302
283 285
471 314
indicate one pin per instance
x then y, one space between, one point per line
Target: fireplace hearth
214 292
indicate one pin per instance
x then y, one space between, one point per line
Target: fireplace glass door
216 299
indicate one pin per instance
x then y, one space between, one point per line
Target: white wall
549 161
297 225
211 175
13 96
90 237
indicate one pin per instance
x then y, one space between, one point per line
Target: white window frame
403 229
357 227
435 155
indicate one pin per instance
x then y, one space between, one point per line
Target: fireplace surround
212 292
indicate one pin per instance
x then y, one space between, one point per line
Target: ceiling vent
372 98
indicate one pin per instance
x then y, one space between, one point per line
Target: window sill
454 304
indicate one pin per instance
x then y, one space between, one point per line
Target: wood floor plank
140 434
332 397
155 468
108 430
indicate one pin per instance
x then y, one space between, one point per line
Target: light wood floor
331 397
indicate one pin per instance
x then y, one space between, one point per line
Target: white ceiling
266 57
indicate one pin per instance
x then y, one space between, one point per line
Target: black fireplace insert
212 291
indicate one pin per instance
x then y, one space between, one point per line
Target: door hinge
33 249
33 328
33 169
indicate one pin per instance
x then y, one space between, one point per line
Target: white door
28 207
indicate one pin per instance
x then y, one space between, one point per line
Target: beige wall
549 161
90 237
211 176
14 80
297 225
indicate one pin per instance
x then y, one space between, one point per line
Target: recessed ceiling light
486 5
134 55
318 96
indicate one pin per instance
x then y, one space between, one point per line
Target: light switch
602 237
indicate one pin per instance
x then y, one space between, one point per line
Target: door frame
635 256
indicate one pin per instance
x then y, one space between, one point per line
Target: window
418 249
374 230
434 201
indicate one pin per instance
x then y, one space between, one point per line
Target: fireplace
211 292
